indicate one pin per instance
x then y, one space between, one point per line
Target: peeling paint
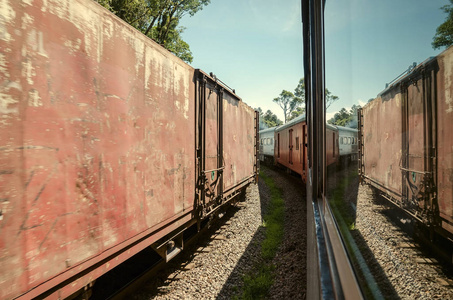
44 6
3 69
108 28
28 71
27 20
35 40
34 99
448 62
148 64
73 46
398 100
4 35
6 11
5 102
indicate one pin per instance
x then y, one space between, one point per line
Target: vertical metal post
360 143
257 145
220 141
201 141
404 144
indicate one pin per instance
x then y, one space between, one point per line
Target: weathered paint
382 140
97 142
227 137
408 142
445 137
97 153
239 141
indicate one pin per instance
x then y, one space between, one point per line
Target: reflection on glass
392 187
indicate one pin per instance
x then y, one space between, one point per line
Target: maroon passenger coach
291 146
109 144
406 142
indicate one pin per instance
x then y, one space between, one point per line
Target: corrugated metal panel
444 88
408 150
92 150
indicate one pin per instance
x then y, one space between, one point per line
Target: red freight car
110 144
290 145
406 142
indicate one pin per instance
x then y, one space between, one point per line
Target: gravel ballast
396 257
214 269
216 266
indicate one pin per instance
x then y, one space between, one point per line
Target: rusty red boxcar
406 142
109 144
291 150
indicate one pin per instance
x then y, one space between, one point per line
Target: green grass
258 282
339 206
346 224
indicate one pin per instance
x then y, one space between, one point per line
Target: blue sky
255 46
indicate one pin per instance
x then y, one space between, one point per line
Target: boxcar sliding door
417 165
209 142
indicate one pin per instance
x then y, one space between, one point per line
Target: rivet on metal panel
68 263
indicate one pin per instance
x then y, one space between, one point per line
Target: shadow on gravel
290 260
342 192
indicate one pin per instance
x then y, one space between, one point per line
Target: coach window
297 143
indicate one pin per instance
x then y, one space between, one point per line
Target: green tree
288 102
299 92
341 118
293 105
345 117
158 19
260 111
300 89
330 99
444 33
297 112
271 120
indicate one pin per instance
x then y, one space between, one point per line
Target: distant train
348 143
285 145
266 137
406 143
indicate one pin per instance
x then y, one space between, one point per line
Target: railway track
214 264
389 257
402 266
129 278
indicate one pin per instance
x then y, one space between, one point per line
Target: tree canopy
158 19
288 102
444 33
330 99
299 92
293 105
268 119
345 118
